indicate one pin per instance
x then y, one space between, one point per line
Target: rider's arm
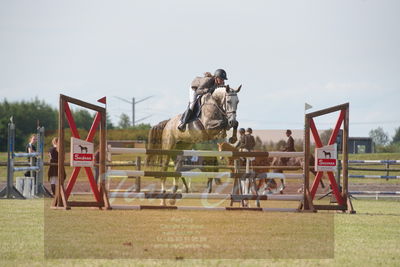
202 91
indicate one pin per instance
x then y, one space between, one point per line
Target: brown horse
258 164
218 114
293 162
270 185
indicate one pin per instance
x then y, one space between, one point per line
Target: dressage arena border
375 161
10 191
374 176
375 194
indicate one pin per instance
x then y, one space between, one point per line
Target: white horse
218 114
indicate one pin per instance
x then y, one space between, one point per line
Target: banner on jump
326 158
81 153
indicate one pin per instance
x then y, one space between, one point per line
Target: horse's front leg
283 186
245 190
172 201
163 191
185 184
209 185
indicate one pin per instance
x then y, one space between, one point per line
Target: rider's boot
184 120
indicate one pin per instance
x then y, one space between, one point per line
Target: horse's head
227 98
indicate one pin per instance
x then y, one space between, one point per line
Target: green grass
33 235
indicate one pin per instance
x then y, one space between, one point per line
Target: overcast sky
285 53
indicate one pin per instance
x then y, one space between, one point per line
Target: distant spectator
290 142
242 140
250 141
289 147
31 148
96 165
53 170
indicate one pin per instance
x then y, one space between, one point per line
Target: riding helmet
242 130
220 73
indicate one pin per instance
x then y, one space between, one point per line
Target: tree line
383 143
28 115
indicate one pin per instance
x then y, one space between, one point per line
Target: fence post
138 167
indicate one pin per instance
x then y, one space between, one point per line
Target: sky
285 53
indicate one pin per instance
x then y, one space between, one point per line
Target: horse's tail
155 141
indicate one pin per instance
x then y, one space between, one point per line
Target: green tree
396 137
83 119
379 137
124 121
109 124
27 115
325 136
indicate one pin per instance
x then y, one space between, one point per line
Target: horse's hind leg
209 185
185 184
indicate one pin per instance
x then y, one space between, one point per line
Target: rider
290 142
242 144
251 142
201 86
289 147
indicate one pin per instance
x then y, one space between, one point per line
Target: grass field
33 235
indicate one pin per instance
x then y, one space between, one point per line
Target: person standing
31 148
241 145
96 165
289 147
250 141
53 170
290 142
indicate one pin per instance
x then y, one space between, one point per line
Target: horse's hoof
172 201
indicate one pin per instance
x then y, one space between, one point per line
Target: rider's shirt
290 144
201 86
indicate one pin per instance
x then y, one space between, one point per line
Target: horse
258 165
217 115
268 165
283 161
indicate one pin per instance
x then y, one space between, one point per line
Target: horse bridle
225 104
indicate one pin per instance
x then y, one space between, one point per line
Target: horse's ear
240 87
227 88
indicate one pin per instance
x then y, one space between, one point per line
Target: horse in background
258 164
268 186
294 162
